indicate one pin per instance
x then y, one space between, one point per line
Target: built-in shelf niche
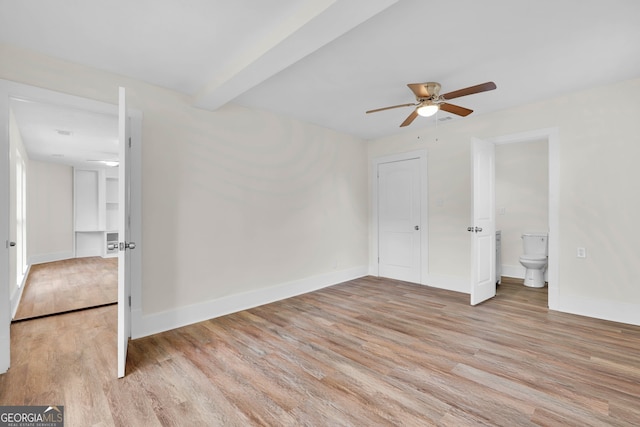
111 203
95 211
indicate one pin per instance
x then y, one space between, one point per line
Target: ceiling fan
429 100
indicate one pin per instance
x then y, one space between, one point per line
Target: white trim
52 257
600 309
5 297
135 210
552 135
17 296
424 209
144 325
515 271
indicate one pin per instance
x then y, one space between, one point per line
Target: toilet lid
534 257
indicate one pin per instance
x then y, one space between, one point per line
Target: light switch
501 210
582 253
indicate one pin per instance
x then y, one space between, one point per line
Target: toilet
534 258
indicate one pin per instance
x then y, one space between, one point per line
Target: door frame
552 136
421 155
10 89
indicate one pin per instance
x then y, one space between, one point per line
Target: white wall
241 202
599 147
522 197
236 203
50 208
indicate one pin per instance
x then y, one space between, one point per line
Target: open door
483 228
125 245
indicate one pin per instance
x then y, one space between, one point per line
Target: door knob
470 229
127 245
11 244
478 229
111 246
417 227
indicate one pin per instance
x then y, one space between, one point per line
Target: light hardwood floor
369 352
72 284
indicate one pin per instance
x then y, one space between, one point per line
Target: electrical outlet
582 253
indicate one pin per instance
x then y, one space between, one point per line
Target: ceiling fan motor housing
433 89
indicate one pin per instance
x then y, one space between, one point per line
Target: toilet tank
535 243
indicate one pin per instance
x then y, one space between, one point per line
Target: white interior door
124 265
483 227
399 215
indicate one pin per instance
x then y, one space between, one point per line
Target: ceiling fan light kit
429 101
427 109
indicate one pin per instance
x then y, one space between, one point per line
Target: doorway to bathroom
522 199
521 186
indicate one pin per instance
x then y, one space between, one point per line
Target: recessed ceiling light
110 163
23 100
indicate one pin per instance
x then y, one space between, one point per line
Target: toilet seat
534 257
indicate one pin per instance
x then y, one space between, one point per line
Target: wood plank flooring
369 352
72 284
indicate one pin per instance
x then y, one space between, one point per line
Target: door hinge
129 142
129 300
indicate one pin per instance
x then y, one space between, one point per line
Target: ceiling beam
313 25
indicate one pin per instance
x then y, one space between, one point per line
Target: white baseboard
143 325
52 257
17 295
449 283
515 271
614 311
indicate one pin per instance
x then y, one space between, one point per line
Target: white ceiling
56 134
328 61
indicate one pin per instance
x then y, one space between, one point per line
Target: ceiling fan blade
389 108
455 109
410 119
420 90
470 90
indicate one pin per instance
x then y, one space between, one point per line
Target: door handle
478 229
417 227
11 244
127 245
470 229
